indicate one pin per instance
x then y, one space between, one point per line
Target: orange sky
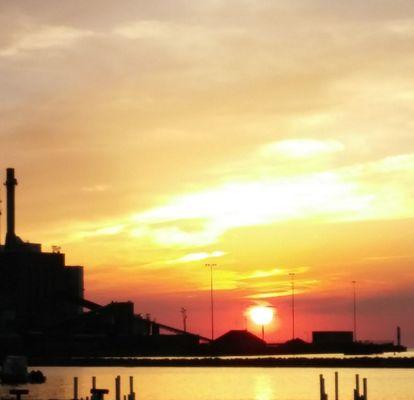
150 138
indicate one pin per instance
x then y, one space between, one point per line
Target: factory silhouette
44 312
43 308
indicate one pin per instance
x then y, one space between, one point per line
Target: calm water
224 383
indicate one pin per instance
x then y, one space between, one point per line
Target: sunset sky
267 137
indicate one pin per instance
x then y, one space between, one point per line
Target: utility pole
292 276
184 314
354 310
211 266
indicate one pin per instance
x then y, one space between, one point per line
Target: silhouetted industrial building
43 309
238 342
332 338
36 288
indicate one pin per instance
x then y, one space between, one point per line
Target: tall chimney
11 182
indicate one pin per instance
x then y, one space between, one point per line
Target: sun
261 315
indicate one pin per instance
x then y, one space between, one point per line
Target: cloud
301 148
269 295
101 231
96 188
324 195
274 272
191 257
361 192
284 289
145 30
44 38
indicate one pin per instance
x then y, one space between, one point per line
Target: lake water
170 383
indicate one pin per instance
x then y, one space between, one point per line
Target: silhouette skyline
34 315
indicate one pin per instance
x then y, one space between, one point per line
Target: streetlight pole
292 276
211 298
354 310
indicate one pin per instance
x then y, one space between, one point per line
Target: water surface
171 383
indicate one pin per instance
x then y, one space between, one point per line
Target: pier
96 393
356 395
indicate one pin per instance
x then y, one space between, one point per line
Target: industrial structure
43 308
35 286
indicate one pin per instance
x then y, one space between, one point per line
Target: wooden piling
94 382
356 392
365 389
131 384
131 388
336 386
118 388
75 388
323 395
321 386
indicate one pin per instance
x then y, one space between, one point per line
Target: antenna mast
184 314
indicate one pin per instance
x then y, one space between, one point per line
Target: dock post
18 393
336 386
324 396
75 388
131 388
365 388
98 394
118 388
321 386
357 386
94 382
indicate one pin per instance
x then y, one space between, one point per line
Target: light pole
354 310
211 298
292 276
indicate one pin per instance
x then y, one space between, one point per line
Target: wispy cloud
283 289
301 148
365 191
147 29
274 272
191 257
96 232
96 188
45 37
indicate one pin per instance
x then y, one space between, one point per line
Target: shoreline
357 362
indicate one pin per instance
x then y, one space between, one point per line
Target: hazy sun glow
261 315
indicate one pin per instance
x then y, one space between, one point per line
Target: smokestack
11 182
